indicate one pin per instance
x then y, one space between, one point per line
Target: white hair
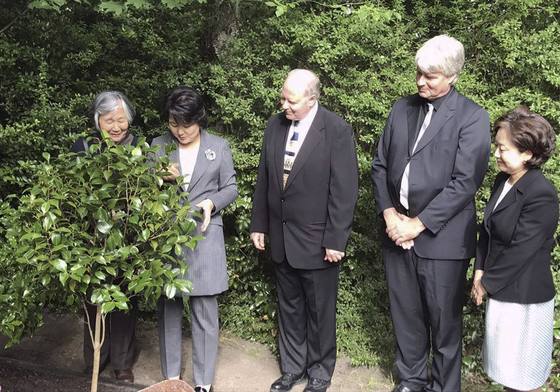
108 101
441 54
311 80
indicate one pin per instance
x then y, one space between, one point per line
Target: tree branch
14 21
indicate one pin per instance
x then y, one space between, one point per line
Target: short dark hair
186 106
528 131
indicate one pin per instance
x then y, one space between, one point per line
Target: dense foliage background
237 54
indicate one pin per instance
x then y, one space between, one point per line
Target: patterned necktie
404 181
290 154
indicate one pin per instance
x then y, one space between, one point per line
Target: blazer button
283 199
408 159
283 222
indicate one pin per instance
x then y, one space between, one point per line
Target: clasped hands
331 255
401 229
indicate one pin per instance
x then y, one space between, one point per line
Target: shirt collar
307 120
438 101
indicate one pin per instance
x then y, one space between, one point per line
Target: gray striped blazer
213 178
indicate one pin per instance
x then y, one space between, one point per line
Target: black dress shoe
402 388
125 375
287 382
202 389
317 385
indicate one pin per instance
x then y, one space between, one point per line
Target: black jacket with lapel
446 170
516 240
315 210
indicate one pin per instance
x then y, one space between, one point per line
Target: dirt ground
54 354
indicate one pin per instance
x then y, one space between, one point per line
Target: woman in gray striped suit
205 162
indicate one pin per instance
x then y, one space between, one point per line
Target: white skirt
518 339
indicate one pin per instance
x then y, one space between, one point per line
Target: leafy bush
98 228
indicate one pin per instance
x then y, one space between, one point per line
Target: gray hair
108 101
441 54
313 84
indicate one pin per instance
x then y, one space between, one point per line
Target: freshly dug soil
19 376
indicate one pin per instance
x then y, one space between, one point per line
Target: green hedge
237 55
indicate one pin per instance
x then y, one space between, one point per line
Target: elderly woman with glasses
111 113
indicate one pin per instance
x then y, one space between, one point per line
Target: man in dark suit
306 193
430 161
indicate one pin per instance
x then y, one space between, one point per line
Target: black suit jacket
446 170
316 209
516 240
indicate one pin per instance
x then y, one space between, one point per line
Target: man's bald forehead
303 80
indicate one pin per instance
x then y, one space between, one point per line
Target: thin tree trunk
97 342
96 350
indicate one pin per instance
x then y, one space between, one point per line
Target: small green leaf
107 175
63 277
56 238
111 270
45 279
96 296
178 249
30 236
59 264
145 234
184 285
45 207
107 307
170 290
122 305
111 245
104 226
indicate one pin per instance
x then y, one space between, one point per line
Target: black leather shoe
202 389
125 375
287 382
317 385
402 388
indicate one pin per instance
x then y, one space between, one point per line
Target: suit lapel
509 198
512 196
314 135
279 147
202 162
440 117
492 202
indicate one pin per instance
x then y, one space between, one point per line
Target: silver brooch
210 154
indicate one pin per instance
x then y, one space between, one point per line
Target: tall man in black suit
306 193
430 161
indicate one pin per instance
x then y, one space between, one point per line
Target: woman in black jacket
513 255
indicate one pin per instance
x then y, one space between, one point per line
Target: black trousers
307 319
426 298
118 347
